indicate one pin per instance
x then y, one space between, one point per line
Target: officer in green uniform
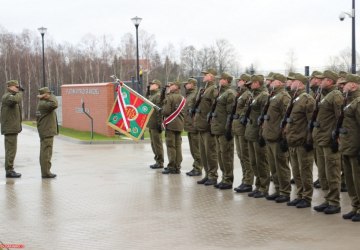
301 155
207 140
193 135
257 150
47 126
277 158
11 124
224 140
241 143
349 140
329 112
174 125
154 126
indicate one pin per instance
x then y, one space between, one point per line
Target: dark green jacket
171 103
329 112
155 119
222 111
276 112
200 119
190 102
238 128
350 131
297 127
11 113
46 117
252 127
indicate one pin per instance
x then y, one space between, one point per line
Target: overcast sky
263 31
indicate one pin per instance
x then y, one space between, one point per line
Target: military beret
352 78
256 78
209 71
156 82
175 83
277 76
12 83
328 74
226 76
44 90
299 77
315 73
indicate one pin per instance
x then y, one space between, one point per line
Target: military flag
130 112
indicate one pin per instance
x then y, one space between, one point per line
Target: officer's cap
299 77
328 74
277 76
352 78
315 73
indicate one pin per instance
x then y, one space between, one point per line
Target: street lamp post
353 47
42 31
136 21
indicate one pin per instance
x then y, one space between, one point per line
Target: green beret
315 73
44 90
300 77
277 76
328 74
210 71
12 83
352 78
156 82
226 76
256 78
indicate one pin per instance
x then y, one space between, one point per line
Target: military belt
289 120
236 116
197 111
266 117
316 124
213 114
343 131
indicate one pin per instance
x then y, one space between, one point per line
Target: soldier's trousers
207 145
195 150
352 175
225 152
320 163
174 152
10 142
333 174
157 146
260 166
302 165
280 170
242 150
46 149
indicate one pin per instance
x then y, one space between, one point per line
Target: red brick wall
98 99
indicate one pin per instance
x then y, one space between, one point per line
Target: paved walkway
106 197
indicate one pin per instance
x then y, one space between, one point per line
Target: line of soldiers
278 127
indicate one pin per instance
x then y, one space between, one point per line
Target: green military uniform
207 142
257 154
193 135
224 144
155 130
301 159
329 112
47 127
241 143
11 125
349 140
277 159
173 130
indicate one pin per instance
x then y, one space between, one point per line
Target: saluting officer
193 135
301 155
207 140
154 126
47 126
257 150
241 143
329 112
349 141
224 139
277 158
174 125
11 124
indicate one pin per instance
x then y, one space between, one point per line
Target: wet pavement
106 197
